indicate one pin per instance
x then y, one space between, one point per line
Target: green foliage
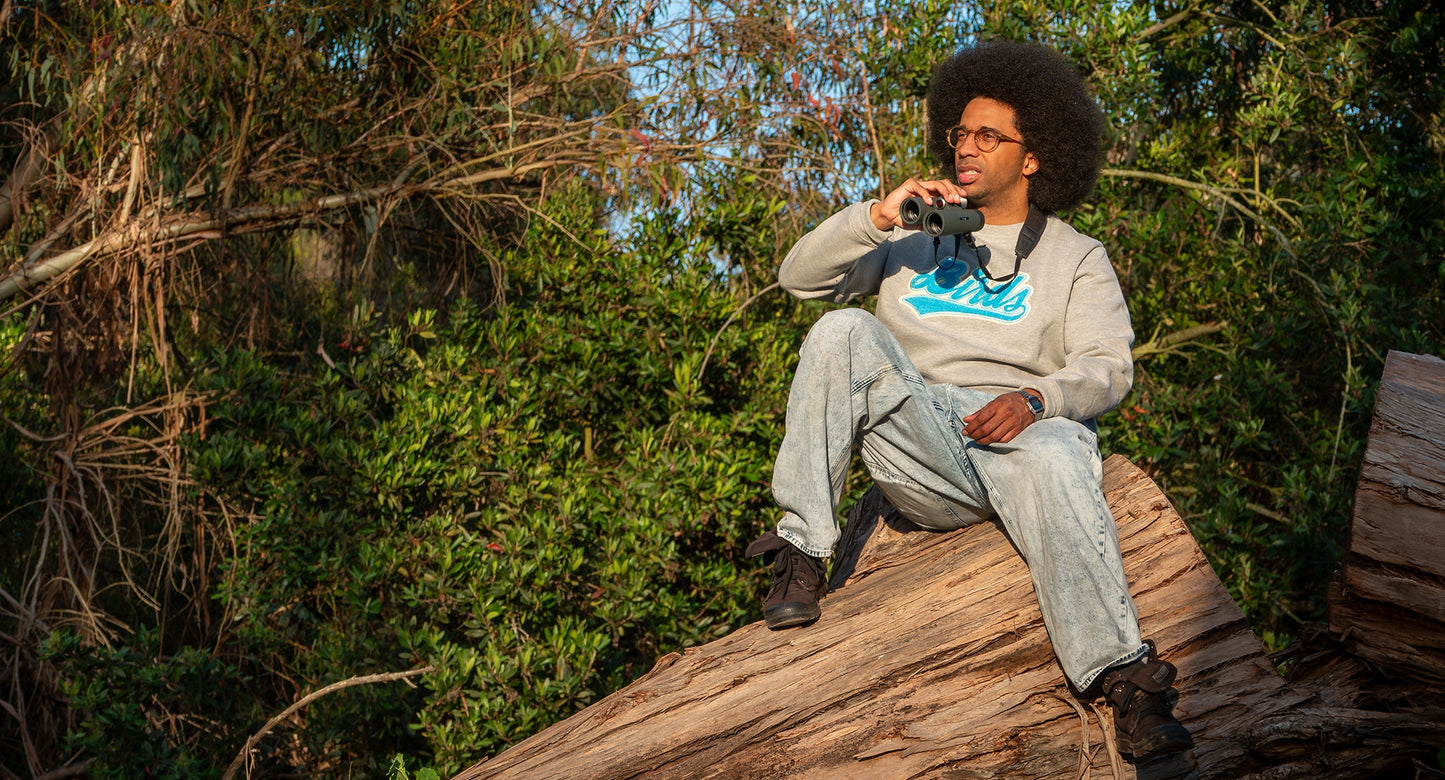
397 771
143 714
537 499
24 408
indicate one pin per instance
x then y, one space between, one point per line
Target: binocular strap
1029 236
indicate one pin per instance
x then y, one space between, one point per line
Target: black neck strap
1031 232
1029 235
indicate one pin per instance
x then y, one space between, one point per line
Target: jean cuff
1127 658
797 541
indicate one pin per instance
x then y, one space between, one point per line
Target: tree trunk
931 660
1389 603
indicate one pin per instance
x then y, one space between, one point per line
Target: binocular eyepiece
938 217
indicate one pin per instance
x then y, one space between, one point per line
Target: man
973 391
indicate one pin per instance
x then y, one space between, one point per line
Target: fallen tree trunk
1389 603
931 660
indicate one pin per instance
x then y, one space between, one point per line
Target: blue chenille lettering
970 296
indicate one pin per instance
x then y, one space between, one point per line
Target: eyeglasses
986 139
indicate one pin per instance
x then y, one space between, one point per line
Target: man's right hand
885 212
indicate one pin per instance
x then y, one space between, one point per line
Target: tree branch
1225 194
1161 26
69 770
307 699
1172 343
713 344
250 219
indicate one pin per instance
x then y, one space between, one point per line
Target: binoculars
938 217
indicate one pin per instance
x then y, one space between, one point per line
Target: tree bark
931 660
1389 602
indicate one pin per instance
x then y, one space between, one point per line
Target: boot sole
792 613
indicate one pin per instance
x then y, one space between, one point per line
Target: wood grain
1389 602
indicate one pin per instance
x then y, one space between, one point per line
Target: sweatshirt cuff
862 219
1052 396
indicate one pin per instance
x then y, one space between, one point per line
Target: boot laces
793 565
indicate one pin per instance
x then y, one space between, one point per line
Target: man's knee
845 321
844 326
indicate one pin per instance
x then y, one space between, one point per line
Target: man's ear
1031 164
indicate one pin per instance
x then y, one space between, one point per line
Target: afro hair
1059 121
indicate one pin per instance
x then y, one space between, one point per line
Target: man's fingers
981 424
998 422
928 188
949 190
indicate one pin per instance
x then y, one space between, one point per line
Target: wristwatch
1035 403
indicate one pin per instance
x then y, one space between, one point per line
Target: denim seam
797 542
1127 658
868 381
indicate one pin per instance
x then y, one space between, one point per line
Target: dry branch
27 172
1224 194
350 682
1174 343
136 235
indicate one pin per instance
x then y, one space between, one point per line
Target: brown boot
1143 702
798 580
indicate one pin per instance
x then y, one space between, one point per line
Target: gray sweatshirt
1060 327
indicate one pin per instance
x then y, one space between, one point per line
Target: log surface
931 660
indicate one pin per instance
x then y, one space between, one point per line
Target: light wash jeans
855 384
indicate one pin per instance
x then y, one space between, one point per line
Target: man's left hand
1000 420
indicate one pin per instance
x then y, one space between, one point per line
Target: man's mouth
968 175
